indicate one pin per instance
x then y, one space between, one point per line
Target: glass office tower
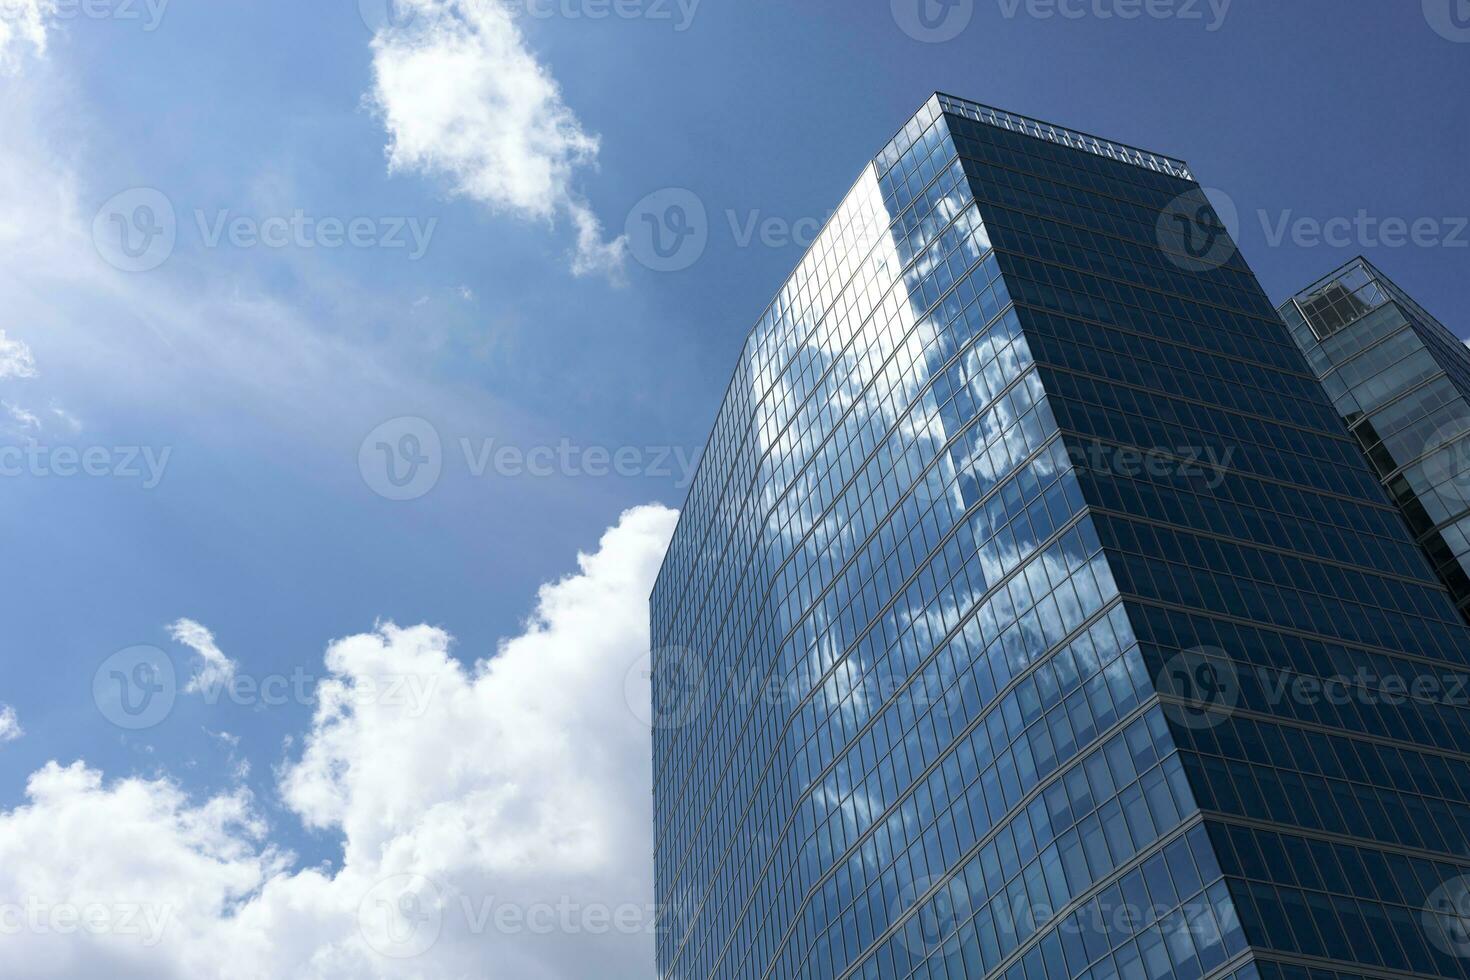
982 648
1401 380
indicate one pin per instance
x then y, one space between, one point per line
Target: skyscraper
1400 380
994 637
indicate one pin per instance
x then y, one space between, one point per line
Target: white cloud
463 98
10 729
16 360
215 669
143 862
21 416
513 806
22 26
233 741
66 418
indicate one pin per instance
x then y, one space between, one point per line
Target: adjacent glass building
1400 379
986 643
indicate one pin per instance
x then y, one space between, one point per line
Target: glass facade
1401 381
1018 516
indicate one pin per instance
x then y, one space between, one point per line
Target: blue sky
491 168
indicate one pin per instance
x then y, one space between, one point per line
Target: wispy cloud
16 360
67 419
10 729
215 669
21 416
463 98
22 27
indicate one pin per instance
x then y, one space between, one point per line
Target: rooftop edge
1051 132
